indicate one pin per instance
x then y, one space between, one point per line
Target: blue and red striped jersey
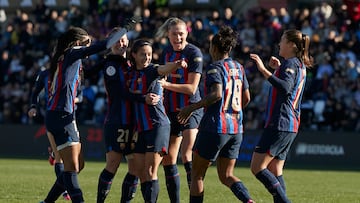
194 58
142 82
62 90
116 76
226 115
285 94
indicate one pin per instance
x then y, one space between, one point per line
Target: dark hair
135 47
65 41
225 40
302 43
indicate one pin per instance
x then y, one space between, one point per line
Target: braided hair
65 41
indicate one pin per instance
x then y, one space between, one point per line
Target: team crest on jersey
290 70
110 70
198 59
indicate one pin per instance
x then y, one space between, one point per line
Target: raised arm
171 66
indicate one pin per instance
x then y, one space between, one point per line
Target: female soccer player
221 128
118 127
54 157
283 110
152 123
64 78
181 90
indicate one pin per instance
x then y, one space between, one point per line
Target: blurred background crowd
332 96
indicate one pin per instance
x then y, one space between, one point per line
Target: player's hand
184 114
163 82
182 63
32 112
274 62
152 99
259 63
130 23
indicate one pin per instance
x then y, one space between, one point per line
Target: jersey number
234 89
123 135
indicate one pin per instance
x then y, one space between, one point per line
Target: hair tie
303 38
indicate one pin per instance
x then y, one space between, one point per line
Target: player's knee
226 180
255 168
186 158
168 160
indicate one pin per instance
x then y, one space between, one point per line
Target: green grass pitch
25 180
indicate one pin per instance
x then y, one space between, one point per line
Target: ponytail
305 54
302 44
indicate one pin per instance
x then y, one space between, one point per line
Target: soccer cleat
66 195
51 156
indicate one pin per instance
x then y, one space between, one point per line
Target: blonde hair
164 28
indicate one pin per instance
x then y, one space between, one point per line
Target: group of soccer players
156 111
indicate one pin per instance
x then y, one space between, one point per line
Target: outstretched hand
184 114
258 61
274 62
260 65
130 23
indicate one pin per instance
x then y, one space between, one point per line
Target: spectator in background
339 30
229 18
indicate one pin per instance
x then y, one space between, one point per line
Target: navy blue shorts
155 140
275 143
63 127
192 123
212 145
118 138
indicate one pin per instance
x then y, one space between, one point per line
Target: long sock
104 185
272 185
59 168
128 188
196 199
143 190
188 166
72 186
240 191
56 190
154 191
282 182
147 191
172 180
